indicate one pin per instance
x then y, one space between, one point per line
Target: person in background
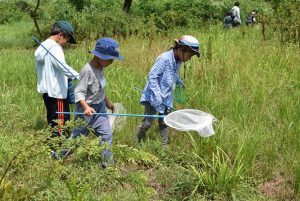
235 14
252 18
90 96
164 75
54 75
227 22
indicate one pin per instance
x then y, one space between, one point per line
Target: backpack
249 19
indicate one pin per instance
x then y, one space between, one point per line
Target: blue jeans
100 124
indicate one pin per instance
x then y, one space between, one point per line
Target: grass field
251 86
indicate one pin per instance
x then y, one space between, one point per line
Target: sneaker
54 155
104 164
65 153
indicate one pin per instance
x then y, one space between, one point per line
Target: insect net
117 122
191 120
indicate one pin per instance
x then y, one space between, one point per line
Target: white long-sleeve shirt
52 77
236 12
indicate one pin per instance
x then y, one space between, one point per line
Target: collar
173 61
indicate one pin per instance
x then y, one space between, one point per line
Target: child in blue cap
90 94
164 75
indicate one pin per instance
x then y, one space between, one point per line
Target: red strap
60 107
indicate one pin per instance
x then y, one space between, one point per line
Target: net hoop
117 122
191 120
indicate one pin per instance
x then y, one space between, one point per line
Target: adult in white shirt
235 14
53 73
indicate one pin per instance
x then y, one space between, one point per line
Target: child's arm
81 91
156 72
109 104
68 71
87 109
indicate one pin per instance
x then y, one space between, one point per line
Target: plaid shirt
161 80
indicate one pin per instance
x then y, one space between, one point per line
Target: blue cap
106 49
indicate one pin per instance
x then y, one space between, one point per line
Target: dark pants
235 24
54 105
148 121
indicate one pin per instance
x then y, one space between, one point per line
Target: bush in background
10 12
92 19
286 20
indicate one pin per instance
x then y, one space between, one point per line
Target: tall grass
250 85
218 175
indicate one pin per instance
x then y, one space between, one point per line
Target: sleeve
156 71
82 86
62 66
238 15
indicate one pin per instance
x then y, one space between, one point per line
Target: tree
34 16
287 20
127 5
79 4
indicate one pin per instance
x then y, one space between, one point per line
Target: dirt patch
153 180
278 188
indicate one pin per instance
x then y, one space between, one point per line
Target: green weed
250 85
219 174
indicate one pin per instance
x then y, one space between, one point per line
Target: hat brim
105 56
72 39
193 50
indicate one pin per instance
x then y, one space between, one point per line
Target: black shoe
104 164
65 153
54 155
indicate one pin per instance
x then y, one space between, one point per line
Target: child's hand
88 111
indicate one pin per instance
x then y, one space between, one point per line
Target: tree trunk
34 16
127 5
263 31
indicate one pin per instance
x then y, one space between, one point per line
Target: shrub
92 19
80 4
9 12
287 20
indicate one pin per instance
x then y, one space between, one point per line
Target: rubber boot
141 133
164 134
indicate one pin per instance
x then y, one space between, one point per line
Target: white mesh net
191 120
117 122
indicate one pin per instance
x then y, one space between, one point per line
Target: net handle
113 114
36 40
